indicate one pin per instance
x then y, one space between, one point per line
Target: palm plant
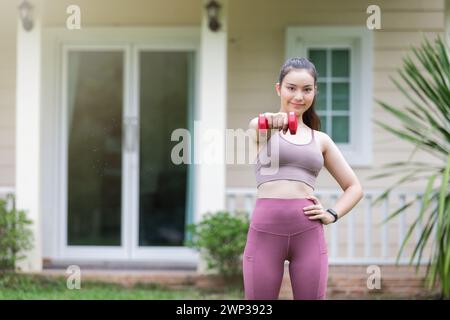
426 125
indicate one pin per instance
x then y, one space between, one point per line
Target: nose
299 97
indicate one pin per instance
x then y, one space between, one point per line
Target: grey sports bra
281 159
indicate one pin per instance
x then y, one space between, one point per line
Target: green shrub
221 237
15 236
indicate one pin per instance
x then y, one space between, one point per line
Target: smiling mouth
297 104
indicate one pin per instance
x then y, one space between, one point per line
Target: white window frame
330 80
57 42
447 21
358 152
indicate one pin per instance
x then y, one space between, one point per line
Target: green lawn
35 287
14 287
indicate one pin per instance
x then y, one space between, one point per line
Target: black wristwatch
333 213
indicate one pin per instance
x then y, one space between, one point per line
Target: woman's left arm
338 167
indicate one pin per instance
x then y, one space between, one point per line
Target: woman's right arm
253 129
255 134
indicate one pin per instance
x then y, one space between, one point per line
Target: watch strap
334 214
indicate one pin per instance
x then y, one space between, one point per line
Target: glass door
126 199
95 81
165 99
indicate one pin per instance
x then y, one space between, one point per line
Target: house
87 116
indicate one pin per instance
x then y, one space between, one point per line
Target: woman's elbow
357 189
360 192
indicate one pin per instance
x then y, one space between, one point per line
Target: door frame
56 43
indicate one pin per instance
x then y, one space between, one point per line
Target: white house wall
8 32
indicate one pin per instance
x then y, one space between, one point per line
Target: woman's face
297 91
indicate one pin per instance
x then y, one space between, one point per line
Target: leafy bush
15 236
221 237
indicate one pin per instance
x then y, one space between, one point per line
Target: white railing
359 237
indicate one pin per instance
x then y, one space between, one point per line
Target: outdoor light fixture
26 15
213 14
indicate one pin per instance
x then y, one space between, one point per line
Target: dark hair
310 117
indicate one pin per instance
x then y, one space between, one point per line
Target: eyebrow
308 85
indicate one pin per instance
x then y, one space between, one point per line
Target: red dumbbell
292 122
263 123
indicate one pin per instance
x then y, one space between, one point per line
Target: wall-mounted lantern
212 9
26 15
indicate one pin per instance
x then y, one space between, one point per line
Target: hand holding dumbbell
280 120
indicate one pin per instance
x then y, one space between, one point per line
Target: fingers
280 121
313 198
270 120
275 121
315 209
312 212
311 207
317 217
285 124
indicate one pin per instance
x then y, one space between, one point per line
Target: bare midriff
288 189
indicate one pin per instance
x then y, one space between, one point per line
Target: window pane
319 58
321 98
340 63
95 82
341 98
340 129
164 101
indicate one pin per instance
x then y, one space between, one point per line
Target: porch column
28 132
447 21
210 178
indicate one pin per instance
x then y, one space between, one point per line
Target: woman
287 221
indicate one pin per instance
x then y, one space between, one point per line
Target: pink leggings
279 231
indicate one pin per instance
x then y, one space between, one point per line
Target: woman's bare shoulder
323 140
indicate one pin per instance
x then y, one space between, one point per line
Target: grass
37 287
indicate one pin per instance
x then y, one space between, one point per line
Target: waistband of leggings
282 200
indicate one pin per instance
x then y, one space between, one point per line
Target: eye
308 89
290 88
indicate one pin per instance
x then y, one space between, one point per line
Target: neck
300 121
